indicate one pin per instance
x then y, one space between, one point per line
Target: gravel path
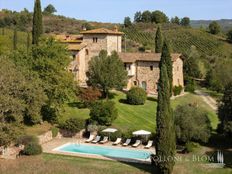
208 99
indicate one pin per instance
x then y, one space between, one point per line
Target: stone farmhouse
143 69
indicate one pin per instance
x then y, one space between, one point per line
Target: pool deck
55 143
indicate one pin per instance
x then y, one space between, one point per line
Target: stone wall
148 73
114 43
95 48
46 137
178 77
144 74
82 66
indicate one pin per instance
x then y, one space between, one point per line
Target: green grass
60 164
134 117
6 40
38 129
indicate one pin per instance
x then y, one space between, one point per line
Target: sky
116 10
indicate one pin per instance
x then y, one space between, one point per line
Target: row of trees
157 17
22 20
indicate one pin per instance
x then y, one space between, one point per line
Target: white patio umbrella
110 130
142 133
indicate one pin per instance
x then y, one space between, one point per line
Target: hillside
181 39
6 39
226 24
138 37
52 23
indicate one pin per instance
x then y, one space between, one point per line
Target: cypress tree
15 39
3 31
167 60
158 41
37 28
166 143
28 41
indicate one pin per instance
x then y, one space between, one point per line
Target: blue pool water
105 151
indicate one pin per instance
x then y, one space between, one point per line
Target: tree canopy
106 72
214 28
225 111
50 9
192 124
158 17
127 22
185 21
229 36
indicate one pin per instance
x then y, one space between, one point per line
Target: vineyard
182 39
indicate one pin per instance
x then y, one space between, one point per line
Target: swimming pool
104 151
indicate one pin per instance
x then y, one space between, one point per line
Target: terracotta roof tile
75 47
102 31
133 57
69 38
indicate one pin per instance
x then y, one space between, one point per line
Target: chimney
115 28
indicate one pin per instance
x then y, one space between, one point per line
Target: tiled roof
133 57
76 47
102 31
69 38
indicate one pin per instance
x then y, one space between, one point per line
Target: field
139 117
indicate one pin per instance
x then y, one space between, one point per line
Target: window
73 56
135 83
144 85
129 67
125 66
95 39
151 68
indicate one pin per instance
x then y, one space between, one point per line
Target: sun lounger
137 143
91 137
97 139
105 139
119 140
149 144
127 142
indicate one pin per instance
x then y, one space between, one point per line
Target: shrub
32 149
27 139
229 36
55 131
49 114
89 95
190 146
73 125
136 96
103 112
192 124
190 86
177 90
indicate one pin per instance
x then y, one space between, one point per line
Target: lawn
59 164
139 117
